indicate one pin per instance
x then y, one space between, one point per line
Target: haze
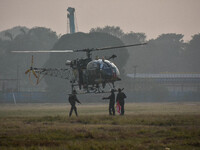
152 17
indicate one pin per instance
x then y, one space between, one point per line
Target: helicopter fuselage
92 73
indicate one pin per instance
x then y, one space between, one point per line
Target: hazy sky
152 17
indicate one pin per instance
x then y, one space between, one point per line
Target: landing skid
94 90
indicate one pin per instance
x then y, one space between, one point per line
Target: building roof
163 75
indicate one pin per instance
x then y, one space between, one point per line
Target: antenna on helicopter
112 57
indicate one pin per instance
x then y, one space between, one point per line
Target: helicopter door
93 69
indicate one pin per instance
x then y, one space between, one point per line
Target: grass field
145 126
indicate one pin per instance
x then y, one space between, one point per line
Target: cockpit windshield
101 65
93 65
113 66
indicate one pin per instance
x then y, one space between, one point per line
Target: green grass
147 126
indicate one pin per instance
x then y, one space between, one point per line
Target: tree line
167 53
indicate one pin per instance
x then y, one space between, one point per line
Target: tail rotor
32 71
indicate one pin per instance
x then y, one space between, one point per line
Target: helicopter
91 75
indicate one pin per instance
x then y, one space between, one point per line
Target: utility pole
134 77
135 71
18 82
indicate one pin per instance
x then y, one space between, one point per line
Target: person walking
72 100
111 102
120 98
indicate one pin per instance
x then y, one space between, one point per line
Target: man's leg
75 109
113 109
110 109
122 109
70 113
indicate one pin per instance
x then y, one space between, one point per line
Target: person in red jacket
120 98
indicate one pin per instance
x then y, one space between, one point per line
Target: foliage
112 30
161 55
34 39
192 53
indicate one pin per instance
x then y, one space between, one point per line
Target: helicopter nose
115 74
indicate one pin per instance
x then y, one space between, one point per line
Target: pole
14 99
135 70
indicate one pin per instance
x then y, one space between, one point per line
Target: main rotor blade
80 50
106 48
45 51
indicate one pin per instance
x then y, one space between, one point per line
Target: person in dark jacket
111 103
72 100
120 97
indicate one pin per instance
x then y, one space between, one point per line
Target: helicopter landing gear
103 84
113 85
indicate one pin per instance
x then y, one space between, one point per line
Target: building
179 86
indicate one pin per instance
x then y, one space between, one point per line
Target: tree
134 52
9 35
35 39
161 55
192 53
112 30
133 37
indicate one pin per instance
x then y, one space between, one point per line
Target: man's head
119 90
74 92
112 91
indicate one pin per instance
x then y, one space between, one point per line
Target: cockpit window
105 65
102 64
114 67
93 65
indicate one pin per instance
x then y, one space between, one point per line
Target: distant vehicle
89 75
